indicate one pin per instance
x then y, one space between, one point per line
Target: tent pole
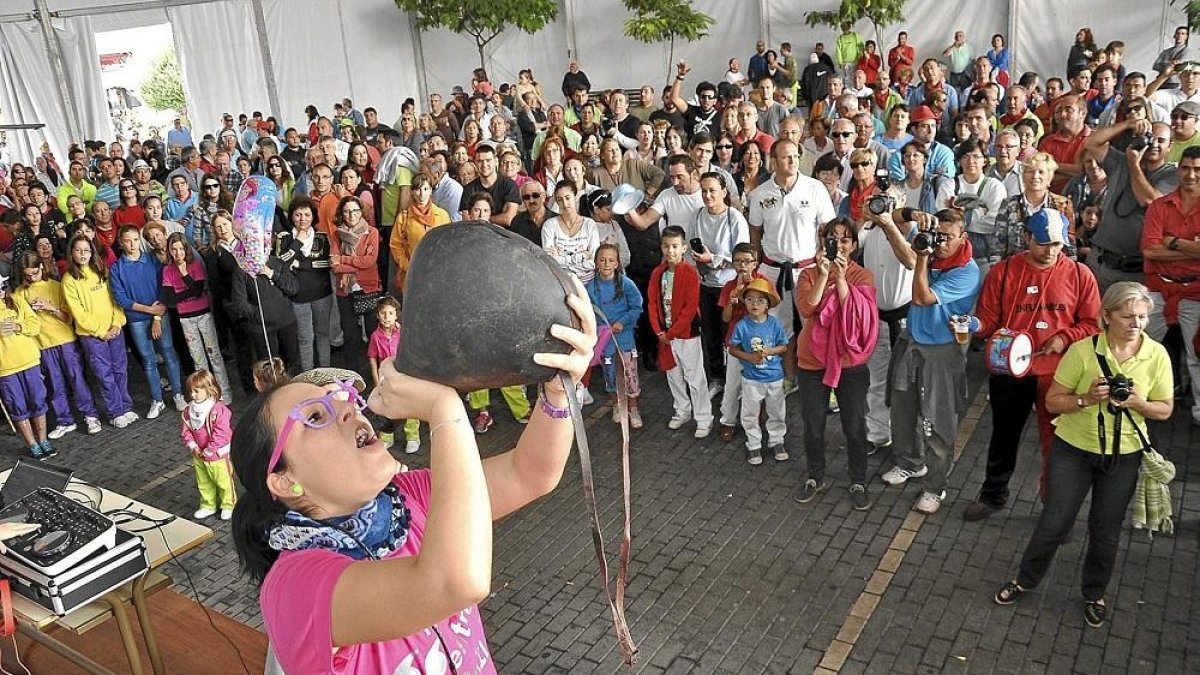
264 48
764 21
42 11
1014 52
419 61
572 45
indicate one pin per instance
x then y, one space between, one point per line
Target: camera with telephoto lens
927 240
1120 387
831 248
1140 142
883 202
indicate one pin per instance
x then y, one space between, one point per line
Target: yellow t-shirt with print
54 331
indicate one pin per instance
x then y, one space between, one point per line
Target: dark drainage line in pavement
839 648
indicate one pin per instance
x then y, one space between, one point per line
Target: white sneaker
121 421
201 514
156 409
702 432
60 431
226 514
93 425
412 447
677 421
131 417
929 502
899 476
584 396
180 404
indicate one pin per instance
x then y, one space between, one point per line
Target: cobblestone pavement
730 575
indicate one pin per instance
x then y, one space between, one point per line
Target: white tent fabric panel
360 50
77 39
308 56
30 93
27 92
450 58
612 60
379 49
1135 24
217 46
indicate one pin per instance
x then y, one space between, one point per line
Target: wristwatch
1079 402
1174 245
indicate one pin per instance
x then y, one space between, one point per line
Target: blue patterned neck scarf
375 530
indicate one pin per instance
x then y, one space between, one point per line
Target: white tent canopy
280 55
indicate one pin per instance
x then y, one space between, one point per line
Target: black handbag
365 303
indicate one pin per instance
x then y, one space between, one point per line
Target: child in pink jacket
207 431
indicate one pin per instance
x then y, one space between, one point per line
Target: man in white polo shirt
784 215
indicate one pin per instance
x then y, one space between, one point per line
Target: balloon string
263 320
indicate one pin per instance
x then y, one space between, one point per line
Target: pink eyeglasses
317 417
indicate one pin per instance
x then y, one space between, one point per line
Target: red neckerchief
935 87
960 258
858 199
882 102
1011 118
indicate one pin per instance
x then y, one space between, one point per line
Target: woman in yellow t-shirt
98 322
1087 454
22 389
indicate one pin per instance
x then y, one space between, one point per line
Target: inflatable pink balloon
253 222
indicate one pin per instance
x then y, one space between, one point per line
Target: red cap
921 114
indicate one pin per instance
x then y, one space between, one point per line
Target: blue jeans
140 331
1072 475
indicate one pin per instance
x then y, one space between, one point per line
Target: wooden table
162 545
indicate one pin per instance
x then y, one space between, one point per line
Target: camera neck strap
1118 413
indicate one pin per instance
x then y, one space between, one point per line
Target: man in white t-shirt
784 215
677 206
1189 85
884 243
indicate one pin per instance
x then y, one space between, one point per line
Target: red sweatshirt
1060 300
685 308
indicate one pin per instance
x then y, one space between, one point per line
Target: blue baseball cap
1047 226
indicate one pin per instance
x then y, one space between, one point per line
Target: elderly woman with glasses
364 567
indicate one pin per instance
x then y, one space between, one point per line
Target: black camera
1120 388
607 124
697 245
883 202
831 248
927 240
1140 142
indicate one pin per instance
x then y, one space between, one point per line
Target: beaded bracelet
549 408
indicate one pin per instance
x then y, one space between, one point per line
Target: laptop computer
28 476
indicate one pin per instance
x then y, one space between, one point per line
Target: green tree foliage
162 89
665 21
1192 9
482 20
881 14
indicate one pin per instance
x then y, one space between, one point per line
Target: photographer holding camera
1134 155
836 301
929 378
1092 451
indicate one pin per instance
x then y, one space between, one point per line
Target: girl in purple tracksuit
98 322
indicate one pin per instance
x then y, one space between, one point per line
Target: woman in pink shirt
365 568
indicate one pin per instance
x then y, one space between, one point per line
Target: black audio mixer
70 531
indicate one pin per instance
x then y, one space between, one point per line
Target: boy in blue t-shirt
759 342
